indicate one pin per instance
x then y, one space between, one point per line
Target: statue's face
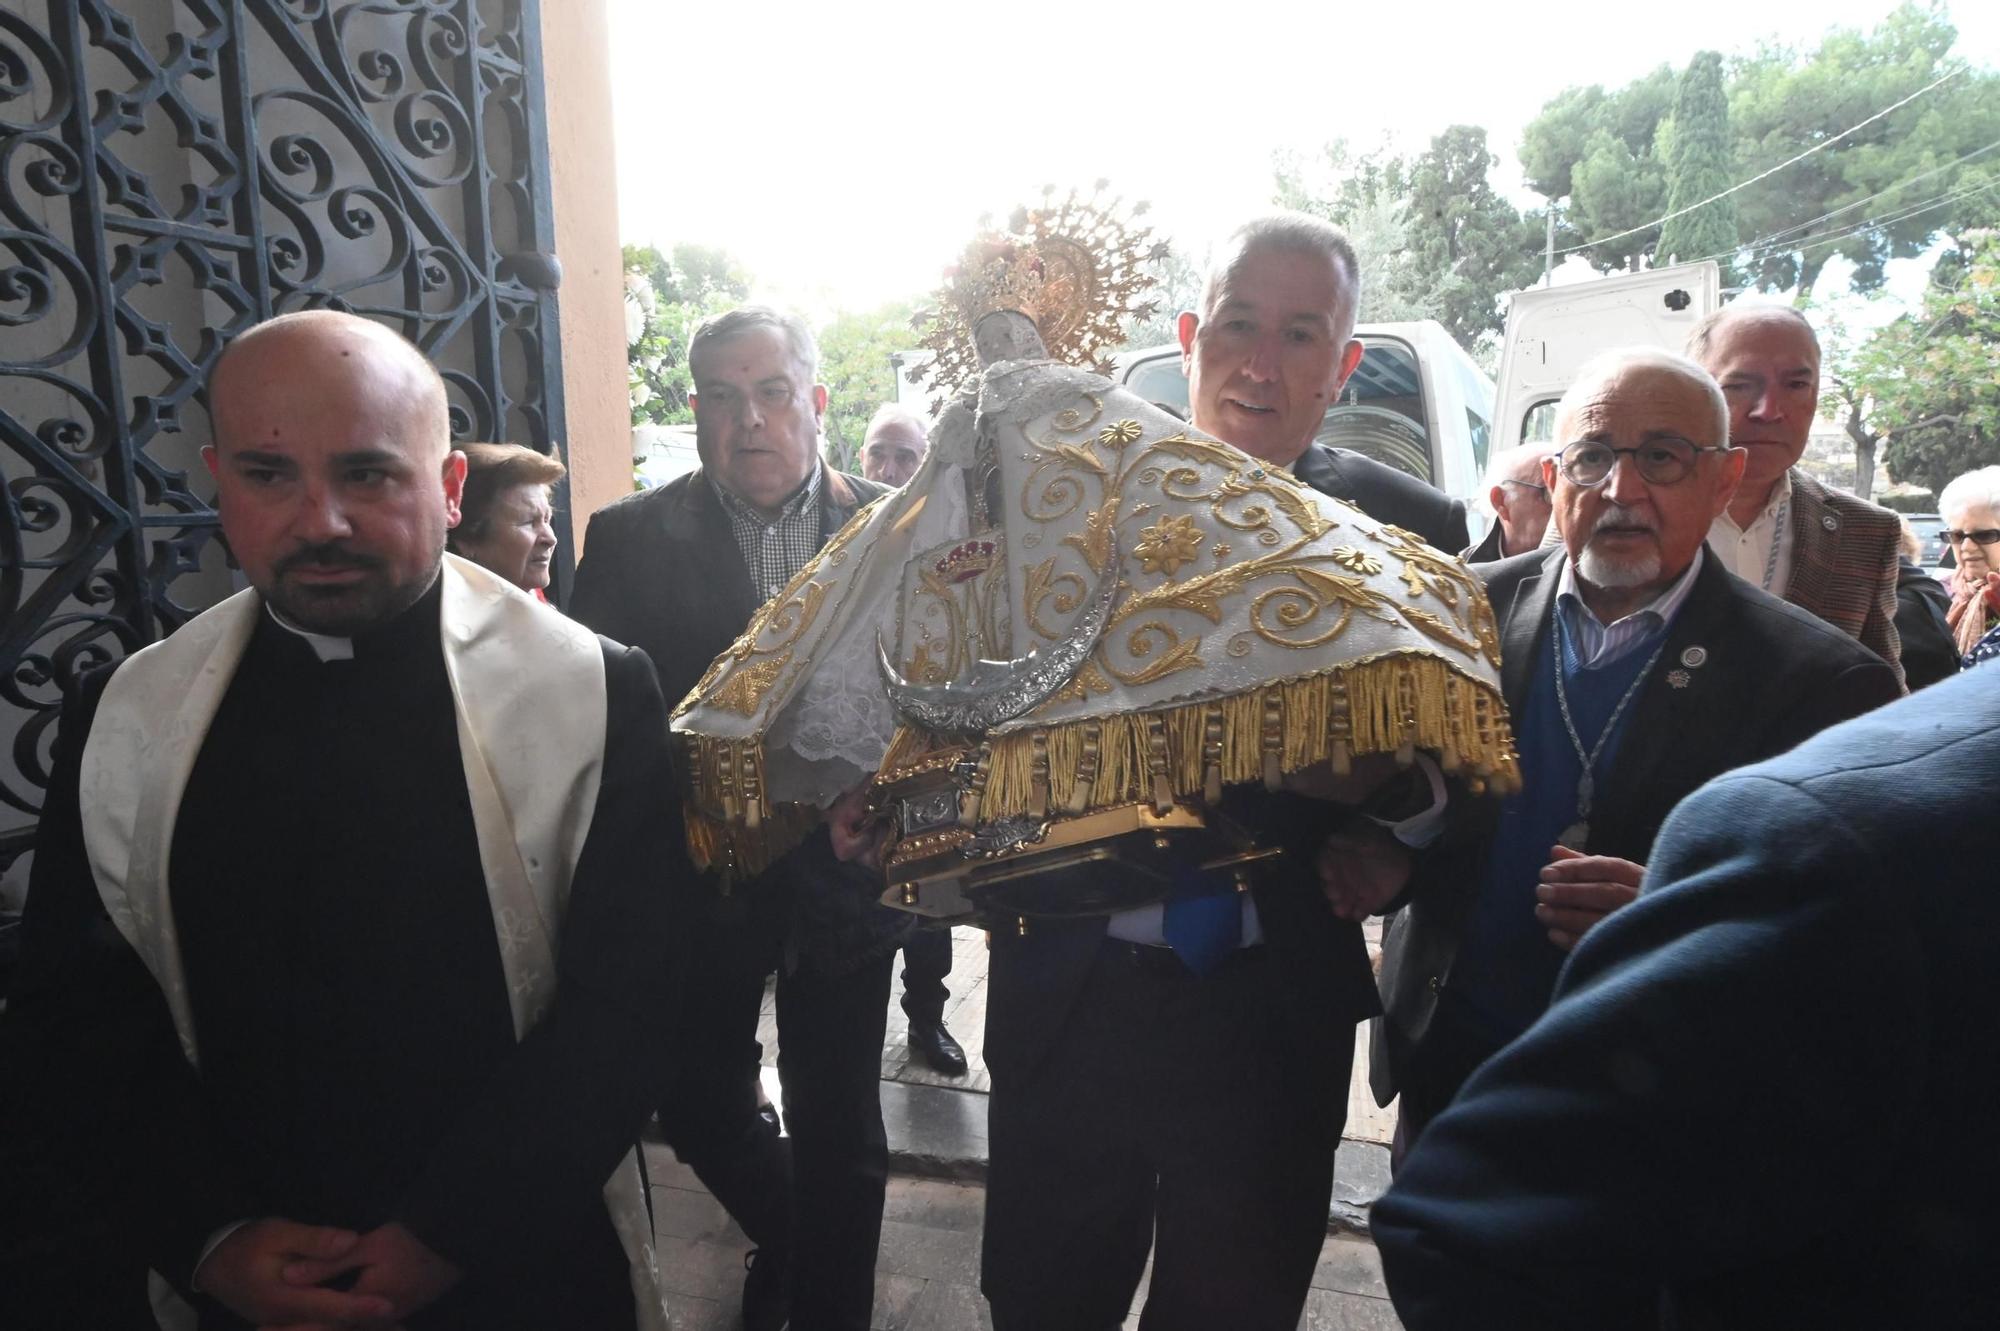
1007 335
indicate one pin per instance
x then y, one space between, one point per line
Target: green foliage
1933 377
1886 191
1843 397
1434 238
854 365
692 274
1601 149
1461 226
665 299
1782 101
1701 163
1367 196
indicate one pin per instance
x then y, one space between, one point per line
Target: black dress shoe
934 1042
767 1303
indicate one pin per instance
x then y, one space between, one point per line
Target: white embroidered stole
528 685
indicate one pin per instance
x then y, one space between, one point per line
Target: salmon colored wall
576 97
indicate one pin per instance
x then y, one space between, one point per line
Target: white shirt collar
1781 495
325 646
1663 607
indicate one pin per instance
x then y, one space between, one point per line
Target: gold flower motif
1119 433
1357 561
1221 550
1167 544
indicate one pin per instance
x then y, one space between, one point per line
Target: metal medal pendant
1575 835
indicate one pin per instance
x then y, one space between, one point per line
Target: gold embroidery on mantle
789 614
1179 654
1302 596
1167 544
1155 508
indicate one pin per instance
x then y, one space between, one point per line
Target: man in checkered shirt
679 571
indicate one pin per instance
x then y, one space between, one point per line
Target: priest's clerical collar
325 646
409 633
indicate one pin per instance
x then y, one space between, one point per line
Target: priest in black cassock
346 946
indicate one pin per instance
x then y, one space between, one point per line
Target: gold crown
1076 268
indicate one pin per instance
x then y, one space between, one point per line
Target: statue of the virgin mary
1079 623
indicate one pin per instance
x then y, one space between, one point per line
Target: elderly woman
1970 506
505 522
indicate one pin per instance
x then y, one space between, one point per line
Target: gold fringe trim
1392 704
737 850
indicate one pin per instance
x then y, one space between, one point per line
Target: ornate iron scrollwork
173 171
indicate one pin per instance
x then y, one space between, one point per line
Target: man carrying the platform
1105 680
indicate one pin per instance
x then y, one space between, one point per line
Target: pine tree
1700 165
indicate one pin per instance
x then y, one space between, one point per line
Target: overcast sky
844 151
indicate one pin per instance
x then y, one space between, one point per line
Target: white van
1552 331
1416 401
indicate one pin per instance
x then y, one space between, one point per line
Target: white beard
1601 571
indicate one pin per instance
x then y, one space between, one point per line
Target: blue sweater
1507 966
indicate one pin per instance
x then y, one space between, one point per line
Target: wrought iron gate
173 171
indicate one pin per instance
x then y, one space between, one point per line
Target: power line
1742 185
1839 234
1782 232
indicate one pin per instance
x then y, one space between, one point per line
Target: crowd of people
363 940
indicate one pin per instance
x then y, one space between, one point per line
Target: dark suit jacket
1324 963
1763 1095
1929 653
1774 675
1385 494
661 570
1488 550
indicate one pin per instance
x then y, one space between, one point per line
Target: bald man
1636 667
1821 549
893 445
1520 504
290 969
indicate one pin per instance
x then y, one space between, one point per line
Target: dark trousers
1174 1111
1451 1052
926 961
815 1202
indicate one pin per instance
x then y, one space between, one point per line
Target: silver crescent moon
999 691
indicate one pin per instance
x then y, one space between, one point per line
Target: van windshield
1380 413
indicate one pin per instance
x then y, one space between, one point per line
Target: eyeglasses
1663 461
1528 485
1984 536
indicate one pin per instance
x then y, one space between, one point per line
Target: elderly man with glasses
1636 667
1520 504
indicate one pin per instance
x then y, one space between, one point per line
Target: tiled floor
927 1274
965 1018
